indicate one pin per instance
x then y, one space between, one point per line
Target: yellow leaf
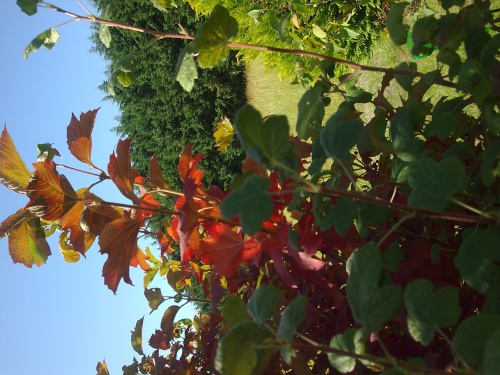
13 172
68 252
224 134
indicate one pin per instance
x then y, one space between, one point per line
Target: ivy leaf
292 318
251 202
237 350
311 113
13 172
102 368
51 195
226 249
154 297
371 304
262 303
428 310
79 136
121 172
136 337
186 71
472 338
212 37
167 322
397 30
434 184
27 244
28 6
266 141
341 133
477 257
118 239
47 39
224 134
353 341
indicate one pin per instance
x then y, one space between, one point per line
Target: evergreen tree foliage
155 109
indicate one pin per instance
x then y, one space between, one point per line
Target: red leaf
119 240
95 218
13 172
187 166
79 136
51 195
250 165
157 341
156 177
165 242
121 172
226 249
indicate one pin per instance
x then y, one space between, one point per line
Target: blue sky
60 318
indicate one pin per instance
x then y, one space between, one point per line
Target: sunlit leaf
156 177
13 172
47 39
102 368
353 341
69 254
121 172
13 220
136 337
79 136
224 134
51 195
28 6
292 317
212 37
155 297
186 71
162 4
119 240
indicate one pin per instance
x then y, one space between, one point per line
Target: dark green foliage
155 109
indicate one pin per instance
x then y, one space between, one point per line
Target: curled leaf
47 39
13 172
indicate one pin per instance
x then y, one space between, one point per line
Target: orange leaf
121 172
79 136
27 244
118 239
13 220
156 177
226 249
95 218
13 172
51 195
187 166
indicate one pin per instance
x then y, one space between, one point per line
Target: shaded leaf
292 318
251 202
234 311
490 164
491 353
402 130
186 71
155 174
154 297
212 37
47 39
96 217
28 6
79 136
395 27
13 172
434 184
167 322
136 337
118 239
429 310
51 195
262 303
353 341
157 340
311 112
27 244
226 249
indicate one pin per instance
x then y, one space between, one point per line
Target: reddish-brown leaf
13 172
167 322
118 239
121 172
27 244
79 136
157 341
250 165
51 195
156 177
95 218
187 166
226 249
13 220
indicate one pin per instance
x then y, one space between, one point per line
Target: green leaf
490 165
434 184
369 215
262 303
470 75
340 135
127 63
392 256
477 257
302 8
402 129
353 341
28 6
396 28
491 353
47 39
341 215
162 4
442 126
212 37
136 337
273 20
371 304
472 337
234 311
311 113
292 318
283 27
105 35
125 78
252 202
154 297
186 71
428 310
238 350
266 141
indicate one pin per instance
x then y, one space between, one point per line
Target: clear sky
60 318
